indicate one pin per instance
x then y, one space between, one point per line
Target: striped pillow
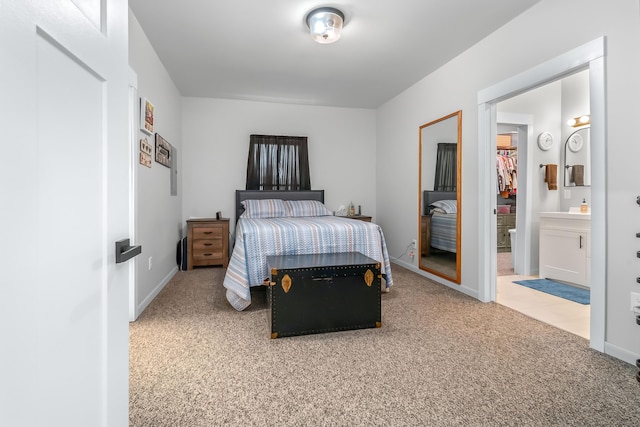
300 208
267 208
446 206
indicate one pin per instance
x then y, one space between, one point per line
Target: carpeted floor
440 359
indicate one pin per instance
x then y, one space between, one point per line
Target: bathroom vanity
565 247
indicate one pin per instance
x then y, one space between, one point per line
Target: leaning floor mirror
440 173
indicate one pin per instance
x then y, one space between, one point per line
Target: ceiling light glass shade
579 121
325 24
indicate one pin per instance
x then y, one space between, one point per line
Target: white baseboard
140 308
460 288
620 353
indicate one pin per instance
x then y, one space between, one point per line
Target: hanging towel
551 176
577 175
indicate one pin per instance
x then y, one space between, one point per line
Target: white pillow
300 208
446 206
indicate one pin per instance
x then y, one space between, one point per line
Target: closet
507 172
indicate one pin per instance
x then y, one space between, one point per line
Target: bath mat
561 290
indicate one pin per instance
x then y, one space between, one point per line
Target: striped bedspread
443 231
258 238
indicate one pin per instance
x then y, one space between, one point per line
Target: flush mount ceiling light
325 24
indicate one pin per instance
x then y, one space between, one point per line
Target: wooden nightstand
425 235
360 217
207 242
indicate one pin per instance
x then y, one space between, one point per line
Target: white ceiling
261 49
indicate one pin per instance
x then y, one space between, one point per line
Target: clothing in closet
507 168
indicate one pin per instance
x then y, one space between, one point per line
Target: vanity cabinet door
564 255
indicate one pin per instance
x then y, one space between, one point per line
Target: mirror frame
586 149
457 278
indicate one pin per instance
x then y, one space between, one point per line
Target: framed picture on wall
163 151
146 116
145 152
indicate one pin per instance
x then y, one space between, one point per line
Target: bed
292 223
440 210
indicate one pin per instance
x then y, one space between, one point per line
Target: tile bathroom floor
559 312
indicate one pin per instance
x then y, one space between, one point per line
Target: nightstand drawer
208 256
207 245
207 233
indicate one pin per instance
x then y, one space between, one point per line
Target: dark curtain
446 167
278 163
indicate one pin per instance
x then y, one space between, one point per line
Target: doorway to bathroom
521 197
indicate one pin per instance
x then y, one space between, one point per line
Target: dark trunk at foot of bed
310 294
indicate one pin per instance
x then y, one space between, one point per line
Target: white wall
456 85
575 103
158 214
545 105
342 151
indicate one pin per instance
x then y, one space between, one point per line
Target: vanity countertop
567 215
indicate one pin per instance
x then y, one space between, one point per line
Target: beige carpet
440 359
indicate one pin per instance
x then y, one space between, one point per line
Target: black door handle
124 251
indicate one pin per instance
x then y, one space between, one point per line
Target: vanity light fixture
579 121
325 24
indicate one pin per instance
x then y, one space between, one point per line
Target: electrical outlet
413 243
635 300
150 262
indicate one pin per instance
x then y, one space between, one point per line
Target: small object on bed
317 293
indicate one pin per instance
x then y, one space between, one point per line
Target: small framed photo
145 152
145 147
163 151
145 159
146 116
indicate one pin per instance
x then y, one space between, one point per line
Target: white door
63 204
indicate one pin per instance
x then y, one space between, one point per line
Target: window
278 163
446 167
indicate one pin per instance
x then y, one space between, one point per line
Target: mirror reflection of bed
438 249
440 175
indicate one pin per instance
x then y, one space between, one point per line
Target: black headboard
433 196
242 195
